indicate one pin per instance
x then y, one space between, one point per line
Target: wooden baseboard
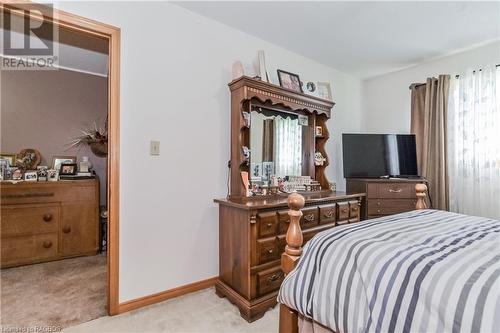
167 294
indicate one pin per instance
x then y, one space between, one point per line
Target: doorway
111 36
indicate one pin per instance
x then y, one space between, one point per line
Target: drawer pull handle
47 217
270 251
378 210
378 203
269 225
309 218
395 191
47 244
344 210
329 213
354 209
273 278
67 230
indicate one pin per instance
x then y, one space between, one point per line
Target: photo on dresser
68 169
58 160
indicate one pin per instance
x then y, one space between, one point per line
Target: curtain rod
456 77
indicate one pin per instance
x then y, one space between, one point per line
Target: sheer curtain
287 147
474 143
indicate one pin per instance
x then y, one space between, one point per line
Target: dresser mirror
276 144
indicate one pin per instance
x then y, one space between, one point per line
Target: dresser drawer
343 212
269 280
392 190
309 217
28 249
268 224
19 220
327 214
354 213
267 250
390 206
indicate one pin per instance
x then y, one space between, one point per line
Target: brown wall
45 110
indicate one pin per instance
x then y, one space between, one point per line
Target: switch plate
154 149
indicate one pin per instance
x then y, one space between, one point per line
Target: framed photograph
303 120
58 160
255 171
324 90
52 175
68 169
11 158
319 131
17 174
31 176
289 81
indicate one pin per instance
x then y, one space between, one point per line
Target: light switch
154 148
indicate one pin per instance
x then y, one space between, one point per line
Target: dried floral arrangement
96 137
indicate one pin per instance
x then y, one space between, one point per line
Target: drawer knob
378 210
329 214
344 210
270 251
395 191
269 225
47 217
273 278
309 218
378 203
355 209
67 230
47 244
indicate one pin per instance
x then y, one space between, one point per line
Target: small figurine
319 159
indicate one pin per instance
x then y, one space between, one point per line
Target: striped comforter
421 271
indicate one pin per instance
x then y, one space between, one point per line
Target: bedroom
176 92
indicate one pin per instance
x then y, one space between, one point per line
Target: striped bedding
420 271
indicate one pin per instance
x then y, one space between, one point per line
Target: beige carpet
201 312
56 294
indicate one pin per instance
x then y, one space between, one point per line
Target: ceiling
364 39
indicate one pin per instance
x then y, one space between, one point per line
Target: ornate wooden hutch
252 229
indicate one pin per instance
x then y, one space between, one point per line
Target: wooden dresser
385 196
252 239
44 221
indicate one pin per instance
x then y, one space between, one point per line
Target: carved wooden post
294 237
288 317
421 194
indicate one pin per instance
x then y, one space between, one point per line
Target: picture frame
17 174
68 169
58 160
10 157
324 90
31 176
289 81
52 175
303 120
319 131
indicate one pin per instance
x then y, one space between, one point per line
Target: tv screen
378 155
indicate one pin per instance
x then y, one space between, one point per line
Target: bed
420 271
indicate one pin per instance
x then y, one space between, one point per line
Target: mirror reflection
275 144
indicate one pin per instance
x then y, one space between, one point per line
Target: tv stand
385 196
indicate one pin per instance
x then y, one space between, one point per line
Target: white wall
174 74
386 98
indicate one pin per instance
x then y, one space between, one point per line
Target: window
474 143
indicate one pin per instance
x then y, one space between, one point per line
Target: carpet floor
199 312
55 294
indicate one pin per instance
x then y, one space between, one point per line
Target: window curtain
429 110
287 147
474 143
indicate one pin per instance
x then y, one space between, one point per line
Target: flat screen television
379 155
